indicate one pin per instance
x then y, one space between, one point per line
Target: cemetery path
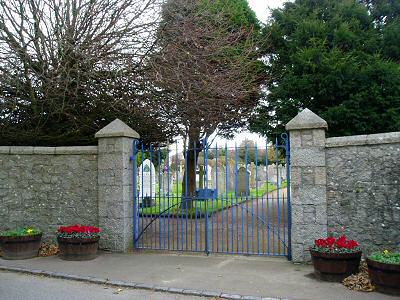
257 226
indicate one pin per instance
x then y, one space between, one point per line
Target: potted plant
335 258
384 271
78 242
20 243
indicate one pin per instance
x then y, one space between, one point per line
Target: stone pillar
308 182
115 185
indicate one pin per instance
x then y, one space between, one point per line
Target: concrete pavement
256 276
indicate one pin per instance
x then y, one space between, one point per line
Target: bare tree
68 67
208 70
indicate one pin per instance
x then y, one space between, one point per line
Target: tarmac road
15 286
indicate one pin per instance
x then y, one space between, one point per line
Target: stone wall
48 187
363 188
345 185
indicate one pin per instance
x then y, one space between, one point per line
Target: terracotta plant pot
386 277
20 247
335 267
78 248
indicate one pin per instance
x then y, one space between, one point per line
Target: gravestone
253 172
243 177
209 175
147 183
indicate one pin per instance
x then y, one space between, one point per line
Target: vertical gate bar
196 228
151 195
206 200
151 207
164 231
182 216
241 198
263 223
193 196
233 225
237 223
273 223
191 207
168 196
226 194
202 211
200 217
252 220
212 224
222 225
217 231
135 198
278 195
289 213
252 223
284 223
182 223
158 197
141 187
178 198
237 195
257 208
268 219
227 170
247 223
247 197
186 149
215 194
226 211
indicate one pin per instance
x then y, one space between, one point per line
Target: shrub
386 257
19 232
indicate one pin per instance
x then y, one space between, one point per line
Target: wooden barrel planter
78 248
386 277
335 266
20 247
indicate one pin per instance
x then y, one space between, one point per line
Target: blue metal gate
233 200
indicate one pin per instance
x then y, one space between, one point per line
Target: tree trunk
189 178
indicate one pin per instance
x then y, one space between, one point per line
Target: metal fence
232 200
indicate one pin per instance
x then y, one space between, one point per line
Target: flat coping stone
365 139
63 150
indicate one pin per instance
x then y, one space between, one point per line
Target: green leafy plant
19 232
386 257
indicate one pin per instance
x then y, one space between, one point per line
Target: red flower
332 242
78 229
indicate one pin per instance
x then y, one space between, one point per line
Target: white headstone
147 179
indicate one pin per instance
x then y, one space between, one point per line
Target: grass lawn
201 208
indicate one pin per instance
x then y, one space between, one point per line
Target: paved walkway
256 276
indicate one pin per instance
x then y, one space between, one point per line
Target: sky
261 7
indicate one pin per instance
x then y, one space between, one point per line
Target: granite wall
347 185
48 187
363 189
